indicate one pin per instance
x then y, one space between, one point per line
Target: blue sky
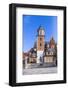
30 25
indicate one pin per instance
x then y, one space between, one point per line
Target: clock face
41 32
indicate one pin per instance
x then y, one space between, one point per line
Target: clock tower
40 43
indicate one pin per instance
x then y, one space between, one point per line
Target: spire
52 41
52 38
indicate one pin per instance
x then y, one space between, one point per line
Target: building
40 43
42 51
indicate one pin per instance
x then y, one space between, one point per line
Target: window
40 44
40 39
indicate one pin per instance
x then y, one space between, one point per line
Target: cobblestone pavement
40 70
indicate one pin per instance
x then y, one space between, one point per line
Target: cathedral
42 51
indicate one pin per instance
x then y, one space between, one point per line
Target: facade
42 51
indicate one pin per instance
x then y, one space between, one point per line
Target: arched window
40 39
40 44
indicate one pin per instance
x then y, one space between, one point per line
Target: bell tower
40 43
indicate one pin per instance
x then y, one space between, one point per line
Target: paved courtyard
40 70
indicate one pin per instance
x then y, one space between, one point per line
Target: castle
42 51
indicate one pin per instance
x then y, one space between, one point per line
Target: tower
40 43
52 43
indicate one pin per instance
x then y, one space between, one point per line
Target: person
24 63
41 61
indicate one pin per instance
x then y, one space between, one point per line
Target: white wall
4 32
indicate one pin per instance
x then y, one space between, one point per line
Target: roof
40 28
52 41
32 50
25 54
50 50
